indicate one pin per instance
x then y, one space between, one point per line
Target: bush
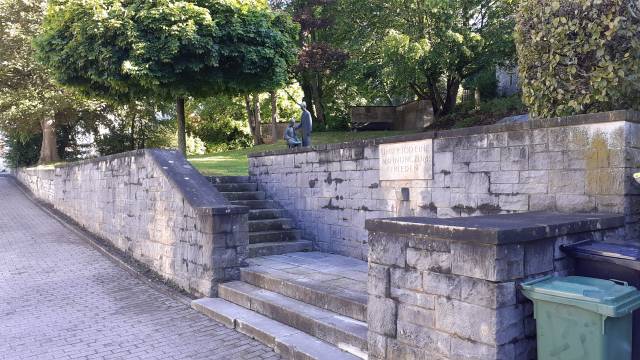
22 151
579 56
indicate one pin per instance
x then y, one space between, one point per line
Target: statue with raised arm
306 125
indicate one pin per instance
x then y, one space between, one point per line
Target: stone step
228 179
236 187
346 333
284 340
310 289
256 204
263 214
279 248
273 236
270 224
245 195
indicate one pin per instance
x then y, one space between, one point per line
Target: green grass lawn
234 163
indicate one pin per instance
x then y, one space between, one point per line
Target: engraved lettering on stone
407 161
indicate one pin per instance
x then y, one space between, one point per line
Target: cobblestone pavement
62 299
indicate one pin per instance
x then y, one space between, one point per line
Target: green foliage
426 47
22 150
488 113
579 56
124 50
485 81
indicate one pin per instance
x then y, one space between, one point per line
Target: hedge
579 56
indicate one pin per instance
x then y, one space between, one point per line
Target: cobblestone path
62 299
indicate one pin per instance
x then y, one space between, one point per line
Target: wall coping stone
498 229
583 119
192 185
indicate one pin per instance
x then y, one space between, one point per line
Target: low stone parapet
448 288
154 206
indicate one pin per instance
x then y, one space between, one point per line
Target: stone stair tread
277 224
317 289
279 247
236 187
228 179
255 204
244 195
265 214
285 340
274 236
347 333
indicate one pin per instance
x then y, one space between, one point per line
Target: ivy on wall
579 56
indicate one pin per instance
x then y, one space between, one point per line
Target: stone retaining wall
448 288
154 206
576 164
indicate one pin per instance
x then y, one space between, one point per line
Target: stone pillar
448 288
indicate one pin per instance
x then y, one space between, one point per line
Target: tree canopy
427 46
134 49
166 49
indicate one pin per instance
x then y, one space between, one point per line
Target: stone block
382 315
489 155
575 203
567 182
541 202
484 166
377 345
378 280
387 249
505 177
406 279
514 202
423 260
465 155
538 257
488 294
414 298
424 338
442 284
416 315
442 162
494 263
514 158
477 323
497 140
467 349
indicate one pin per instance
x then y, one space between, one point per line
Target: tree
132 50
318 58
29 102
428 47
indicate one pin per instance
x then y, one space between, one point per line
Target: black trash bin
609 261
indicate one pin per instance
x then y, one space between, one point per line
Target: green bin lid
606 297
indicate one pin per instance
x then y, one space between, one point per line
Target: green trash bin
581 318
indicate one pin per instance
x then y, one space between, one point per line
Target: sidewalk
62 299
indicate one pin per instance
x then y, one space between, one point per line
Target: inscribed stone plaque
407 161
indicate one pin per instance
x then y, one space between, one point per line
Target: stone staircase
304 305
270 231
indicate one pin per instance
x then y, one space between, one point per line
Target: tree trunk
307 90
182 136
476 97
252 123
316 87
453 86
49 149
274 117
257 119
133 131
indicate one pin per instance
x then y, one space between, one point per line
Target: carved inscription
407 161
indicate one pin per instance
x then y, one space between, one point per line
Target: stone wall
576 164
415 115
448 288
153 205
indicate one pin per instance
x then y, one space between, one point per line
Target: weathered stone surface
382 315
574 164
153 205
